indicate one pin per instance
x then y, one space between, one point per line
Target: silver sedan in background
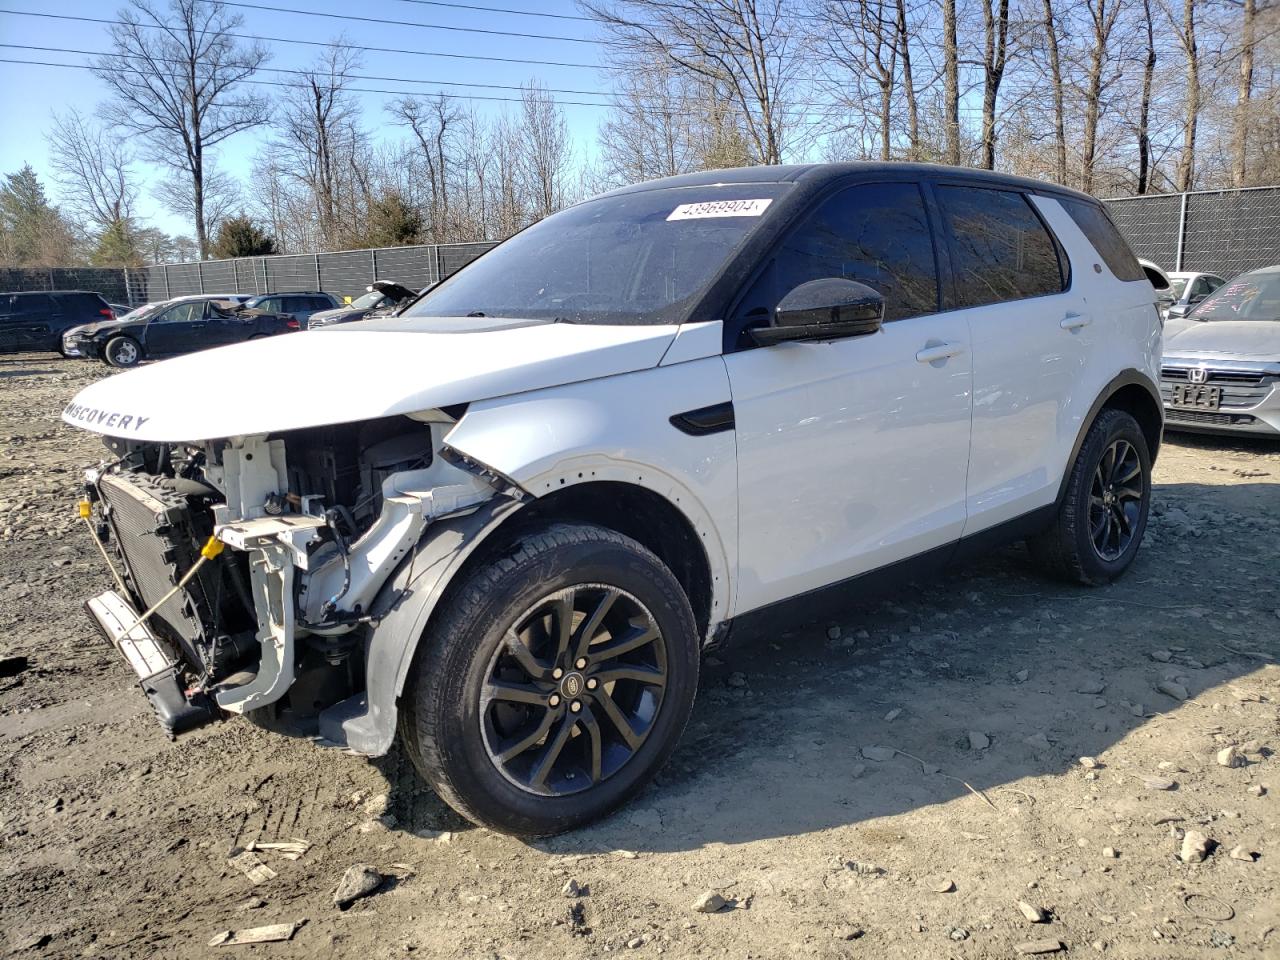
1221 368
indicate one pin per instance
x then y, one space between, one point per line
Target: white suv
507 523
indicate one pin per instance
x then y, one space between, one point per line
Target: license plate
1199 396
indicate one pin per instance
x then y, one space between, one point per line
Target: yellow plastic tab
212 547
86 509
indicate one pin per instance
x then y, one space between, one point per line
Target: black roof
816 174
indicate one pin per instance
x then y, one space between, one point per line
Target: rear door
1032 337
32 329
851 452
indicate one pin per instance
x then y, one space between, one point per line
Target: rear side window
877 234
1001 250
1095 224
33 303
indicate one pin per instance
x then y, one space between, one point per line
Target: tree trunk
1144 108
1093 93
1055 77
997 36
1244 93
1187 162
908 84
951 81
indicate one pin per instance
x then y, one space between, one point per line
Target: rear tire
122 352
1103 514
570 614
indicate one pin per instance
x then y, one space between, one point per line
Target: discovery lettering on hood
91 416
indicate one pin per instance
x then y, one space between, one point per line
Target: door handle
939 351
1074 321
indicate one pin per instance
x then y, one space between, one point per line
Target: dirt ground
990 684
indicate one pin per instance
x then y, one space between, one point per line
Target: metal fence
1218 231
345 273
115 285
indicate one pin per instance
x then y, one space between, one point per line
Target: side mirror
824 310
1179 310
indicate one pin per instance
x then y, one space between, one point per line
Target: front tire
122 352
1103 514
554 681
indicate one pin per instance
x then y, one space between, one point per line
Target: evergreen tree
241 237
32 231
118 246
392 222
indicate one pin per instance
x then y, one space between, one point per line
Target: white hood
1235 339
348 374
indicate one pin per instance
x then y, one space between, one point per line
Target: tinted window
877 234
33 303
1251 296
1000 250
1095 224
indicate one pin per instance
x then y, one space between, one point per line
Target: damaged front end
337 541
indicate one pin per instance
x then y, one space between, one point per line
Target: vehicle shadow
1043 671
25 372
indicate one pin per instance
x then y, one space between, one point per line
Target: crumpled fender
366 723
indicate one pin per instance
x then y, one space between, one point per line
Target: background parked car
36 321
1221 368
382 295
299 304
74 338
184 325
1186 289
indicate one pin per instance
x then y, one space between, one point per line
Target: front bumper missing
153 662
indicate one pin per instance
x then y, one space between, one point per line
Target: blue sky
30 95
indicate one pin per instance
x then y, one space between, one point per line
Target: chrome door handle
1074 321
939 351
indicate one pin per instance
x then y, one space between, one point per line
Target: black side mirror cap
824 309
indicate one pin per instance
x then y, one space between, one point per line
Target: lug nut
554 701
557 673
592 683
575 706
582 662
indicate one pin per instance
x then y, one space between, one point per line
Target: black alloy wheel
574 690
1115 500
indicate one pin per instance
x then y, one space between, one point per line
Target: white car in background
505 523
1186 289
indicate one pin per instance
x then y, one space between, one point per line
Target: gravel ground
889 785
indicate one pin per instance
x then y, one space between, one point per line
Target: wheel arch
1133 392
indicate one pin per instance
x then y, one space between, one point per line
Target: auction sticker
720 208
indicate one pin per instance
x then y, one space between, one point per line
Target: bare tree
1185 31
908 82
995 22
1244 92
219 197
93 170
741 48
319 140
1102 20
951 80
430 121
1055 80
1144 105
858 43
177 81
657 127
547 153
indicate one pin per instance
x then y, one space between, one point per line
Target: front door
852 453
180 329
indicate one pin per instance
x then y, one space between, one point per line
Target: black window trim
1066 275
734 342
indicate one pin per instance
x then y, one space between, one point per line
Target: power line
407 23
352 76
675 102
302 86
518 13
325 43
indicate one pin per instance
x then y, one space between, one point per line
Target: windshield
369 300
640 258
1253 296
